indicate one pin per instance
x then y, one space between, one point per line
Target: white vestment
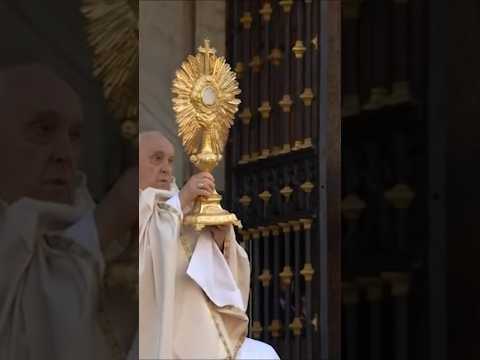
51 266
192 297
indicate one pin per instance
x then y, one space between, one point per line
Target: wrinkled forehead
35 88
155 142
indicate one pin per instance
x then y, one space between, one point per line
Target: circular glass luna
208 96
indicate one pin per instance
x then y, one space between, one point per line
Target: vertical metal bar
401 328
352 205
376 203
256 323
379 32
265 196
350 302
401 195
286 281
286 192
241 68
307 187
275 57
307 273
245 200
298 50
315 56
265 107
328 249
265 278
438 143
350 52
297 193
255 66
400 286
308 95
374 298
250 299
296 325
276 326
286 100
400 86
276 195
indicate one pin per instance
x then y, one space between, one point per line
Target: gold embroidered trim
188 248
237 346
219 330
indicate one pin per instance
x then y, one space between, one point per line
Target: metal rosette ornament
205 104
112 30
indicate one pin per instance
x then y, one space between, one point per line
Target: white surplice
51 266
192 297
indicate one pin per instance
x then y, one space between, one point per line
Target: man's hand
201 184
219 233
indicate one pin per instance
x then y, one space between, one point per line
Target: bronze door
283 170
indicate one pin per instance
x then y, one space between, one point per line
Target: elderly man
51 232
194 286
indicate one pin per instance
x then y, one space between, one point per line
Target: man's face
40 127
156 156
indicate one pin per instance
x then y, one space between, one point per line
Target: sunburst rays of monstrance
112 29
205 104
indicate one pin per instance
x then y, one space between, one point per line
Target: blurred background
383 148
54 33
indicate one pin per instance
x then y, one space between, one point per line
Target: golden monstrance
205 104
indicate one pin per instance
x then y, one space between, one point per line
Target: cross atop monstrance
206 50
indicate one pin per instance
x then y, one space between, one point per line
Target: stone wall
169 32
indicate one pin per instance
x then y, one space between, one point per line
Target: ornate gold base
208 212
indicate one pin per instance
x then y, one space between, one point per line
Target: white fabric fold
254 349
175 202
159 224
52 266
209 269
